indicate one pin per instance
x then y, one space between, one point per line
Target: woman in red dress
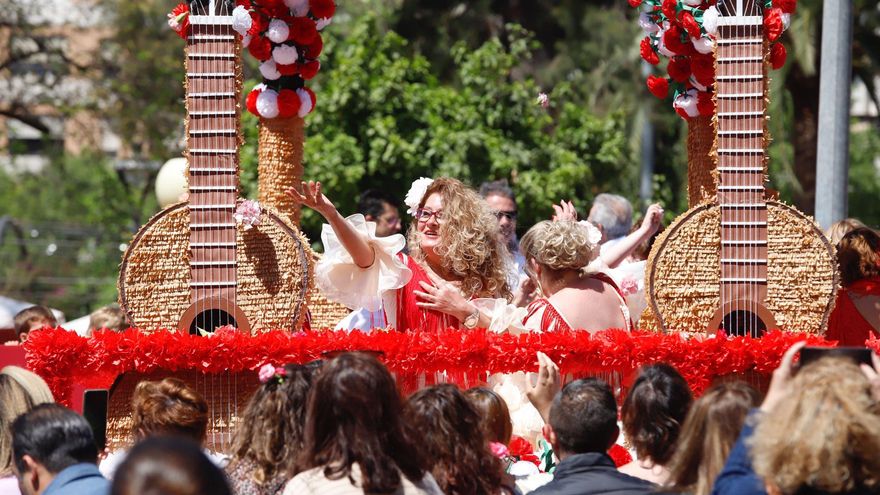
575 298
856 315
455 274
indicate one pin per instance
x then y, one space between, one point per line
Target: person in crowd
818 431
558 254
840 228
110 317
166 407
494 413
455 274
31 382
613 215
33 318
652 415
582 427
19 393
54 453
270 435
168 466
707 435
356 441
458 448
382 209
856 315
500 198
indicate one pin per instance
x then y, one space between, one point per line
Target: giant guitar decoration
192 266
741 262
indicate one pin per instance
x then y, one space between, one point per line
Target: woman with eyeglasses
455 273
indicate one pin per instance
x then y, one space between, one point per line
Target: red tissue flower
522 450
303 31
288 103
288 69
648 52
673 42
787 6
259 23
314 49
773 23
689 24
703 67
322 8
705 105
252 101
658 86
777 55
679 69
260 48
669 9
634 3
178 21
308 69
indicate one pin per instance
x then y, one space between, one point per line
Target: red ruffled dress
847 325
552 321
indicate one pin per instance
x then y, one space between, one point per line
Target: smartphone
95 411
858 354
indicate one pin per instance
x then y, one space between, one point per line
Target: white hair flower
594 235
416 193
241 20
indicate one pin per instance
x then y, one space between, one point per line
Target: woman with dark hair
451 432
168 466
494 414
652 415
709 432
856 314
355 439
271 430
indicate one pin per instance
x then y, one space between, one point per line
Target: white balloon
171 183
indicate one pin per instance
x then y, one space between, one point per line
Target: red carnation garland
63 358
684 31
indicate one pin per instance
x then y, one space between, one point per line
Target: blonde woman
20 391
823 436
455 274
575 298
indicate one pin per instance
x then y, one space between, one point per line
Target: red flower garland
63 358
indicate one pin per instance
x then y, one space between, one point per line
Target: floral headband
416 193
270 372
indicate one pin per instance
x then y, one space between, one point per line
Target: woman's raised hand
312 197
653 217
564 211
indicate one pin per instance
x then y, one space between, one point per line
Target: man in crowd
381 208
54 453
613 214
501 200
582 427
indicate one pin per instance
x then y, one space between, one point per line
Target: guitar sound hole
742 323
211 320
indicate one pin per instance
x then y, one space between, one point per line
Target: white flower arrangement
241 20
248 214
416 193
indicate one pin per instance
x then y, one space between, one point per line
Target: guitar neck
212 94
741 106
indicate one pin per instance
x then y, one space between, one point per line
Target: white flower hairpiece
594 235
416 193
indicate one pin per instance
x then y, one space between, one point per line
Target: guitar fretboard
739 89
212 143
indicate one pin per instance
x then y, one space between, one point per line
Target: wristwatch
472 319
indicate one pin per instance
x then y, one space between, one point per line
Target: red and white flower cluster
684 32
284 35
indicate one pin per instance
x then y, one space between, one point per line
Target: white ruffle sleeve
505 316
341 280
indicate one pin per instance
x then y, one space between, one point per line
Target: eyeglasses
510 215
423 215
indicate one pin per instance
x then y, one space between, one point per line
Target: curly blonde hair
825 436
471 248
559 246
